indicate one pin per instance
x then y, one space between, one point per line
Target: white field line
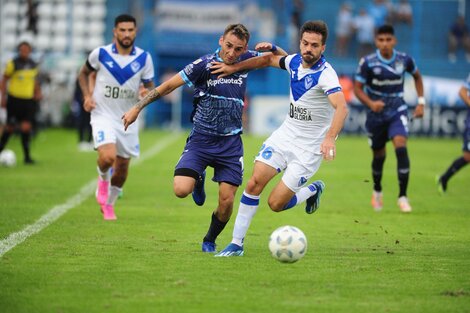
57 211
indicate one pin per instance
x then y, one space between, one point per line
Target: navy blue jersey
218 101
383 79
466 134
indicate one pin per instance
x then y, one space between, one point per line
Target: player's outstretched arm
165 88
268 46
264 60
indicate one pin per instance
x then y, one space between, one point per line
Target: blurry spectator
379 11
32 14
459 36
344 29
365 28
347 86
403 12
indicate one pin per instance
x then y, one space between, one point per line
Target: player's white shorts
299 165
107 131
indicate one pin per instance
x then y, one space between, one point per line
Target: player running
121 67
379 85
316 115
215 139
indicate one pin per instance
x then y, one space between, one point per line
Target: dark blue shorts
380 130
223 153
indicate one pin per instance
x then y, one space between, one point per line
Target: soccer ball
288 244
7 158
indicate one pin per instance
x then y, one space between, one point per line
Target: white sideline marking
57 211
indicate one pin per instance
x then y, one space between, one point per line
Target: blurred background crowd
62 32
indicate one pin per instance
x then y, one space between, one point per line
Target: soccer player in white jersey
317 111
120 67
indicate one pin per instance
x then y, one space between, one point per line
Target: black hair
385 29
318 27
124 18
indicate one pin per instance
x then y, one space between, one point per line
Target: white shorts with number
299 165
107 131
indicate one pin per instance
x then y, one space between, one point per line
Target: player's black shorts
19 110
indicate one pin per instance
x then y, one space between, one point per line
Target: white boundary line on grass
57 211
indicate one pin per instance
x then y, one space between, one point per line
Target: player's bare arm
328 146
374 105
84 82
463 93
268 46
165 88
262 61
419 111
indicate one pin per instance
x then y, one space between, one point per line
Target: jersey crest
122 74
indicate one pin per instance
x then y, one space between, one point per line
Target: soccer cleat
208 246
441 185
199 195
102 191
404 205
108 212
29 161
313 203
231 250
377 201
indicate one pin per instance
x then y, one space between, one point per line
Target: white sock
103 175
113 194
246 210
305 193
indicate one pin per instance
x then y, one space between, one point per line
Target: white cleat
404 204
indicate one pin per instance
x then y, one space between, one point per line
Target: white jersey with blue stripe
118 79
310 112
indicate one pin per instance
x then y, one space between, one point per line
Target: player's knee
275 206
253 187
181 191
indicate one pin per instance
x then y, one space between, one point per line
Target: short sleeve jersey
384 79
218 101
118 79
22 74
310 112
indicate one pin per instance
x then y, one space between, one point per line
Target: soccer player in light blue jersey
460 162
316 115
379 86
215 140
120 69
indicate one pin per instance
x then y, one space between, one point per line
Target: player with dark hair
379 86
460 162
316 116
120 69
20 100
215 139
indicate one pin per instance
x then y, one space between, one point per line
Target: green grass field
149 260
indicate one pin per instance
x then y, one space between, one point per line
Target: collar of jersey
319 63
114 49
384 60
217 58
